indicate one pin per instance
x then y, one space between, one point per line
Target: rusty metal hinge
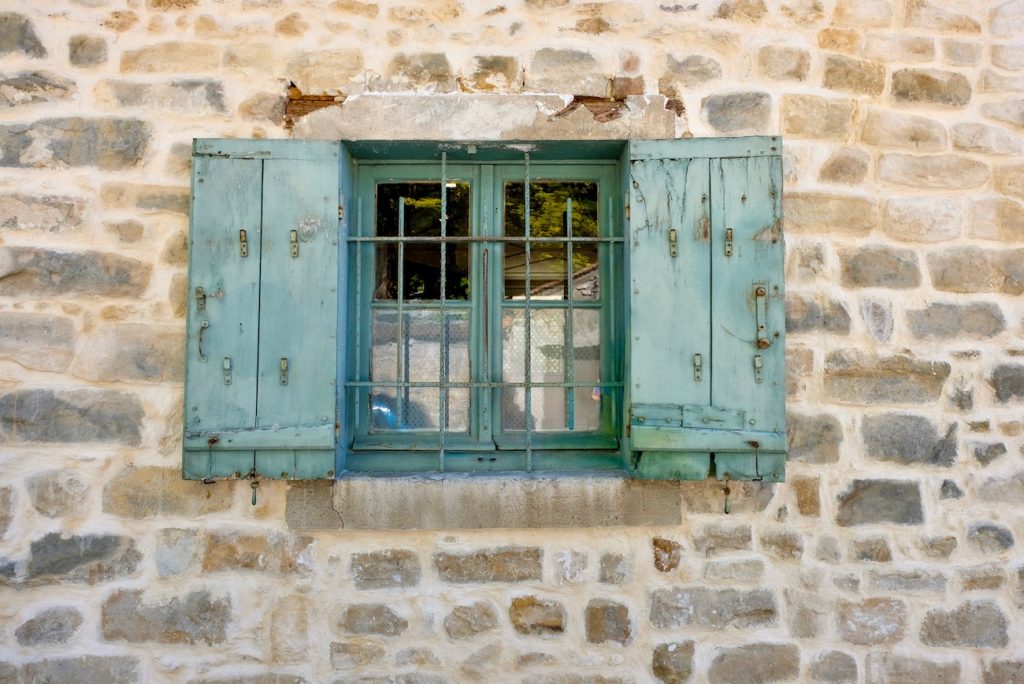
200 300
243 242
728 242
294 239
673 242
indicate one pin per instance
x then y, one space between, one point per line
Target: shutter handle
202 329
761 316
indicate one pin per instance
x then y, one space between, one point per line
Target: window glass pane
547 345
586 276
549 202
414 210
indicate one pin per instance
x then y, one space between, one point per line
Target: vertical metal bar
606 255
570 347
527 362
402 395
442 413
357 391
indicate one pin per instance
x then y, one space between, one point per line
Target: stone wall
892 553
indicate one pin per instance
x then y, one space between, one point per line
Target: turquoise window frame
486 447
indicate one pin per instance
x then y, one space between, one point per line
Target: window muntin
479 385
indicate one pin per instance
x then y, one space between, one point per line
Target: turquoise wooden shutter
706 347
260 388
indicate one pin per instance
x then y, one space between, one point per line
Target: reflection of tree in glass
547 208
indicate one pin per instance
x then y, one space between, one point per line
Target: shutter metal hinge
200 300
761 315
697 370
728 242
295 243
243 242
341 212
758 369
227 370
673 242
284 370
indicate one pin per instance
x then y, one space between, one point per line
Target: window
394 307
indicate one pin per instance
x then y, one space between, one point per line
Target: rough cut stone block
856 377
1003 489
173 57
956 321
872 621
615 568
466 622
147 197
6 509
847 165
672 663
1006 20
854 75
153 491
908 439
49 627
783 545
372 618
887 668
570 72
971 269
56 493
328 72
999 219
867 13
88 558
892 129
922 219
89 668
177 551
126 353
877 266
71 416
34 87
923 14
935 171
734 570
354 655
880 501
961 53
1009 180
871 550
771 662
931 86
275 553
496 73
741 10
32 271
18 34
813 439
833 666
985 139
417 71
783 63
898 48
506 564
982 578
683 73
86 51
189 619
818 213
808 497
908 581
990 538
715 539
977 624
109 144
43 213
986 453
384 569
810 116
667 554
702 608
40 341
1008 111
1004 672
805 314
194 97
1009 57
536 616
706 497
608 621
738 112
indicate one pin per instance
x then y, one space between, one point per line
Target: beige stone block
847 165
1007 19
932 171
898 48
817 117
570 72
1008 111
931 86
132 352
984 139
1009 180
995 82
891 129
1009 57
148 492
961 53
329 72
362 9
823 213
289 630
171 58
924 14
997 219
854 75
839 40
781 63
259 57
922 219
872 13
972 269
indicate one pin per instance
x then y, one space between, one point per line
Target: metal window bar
359 301
403 347
527 375
442 413
570 343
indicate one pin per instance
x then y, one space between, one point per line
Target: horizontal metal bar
478 238
273 438
450 385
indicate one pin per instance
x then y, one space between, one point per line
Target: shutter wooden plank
670 314
747 200
298 309
225 200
